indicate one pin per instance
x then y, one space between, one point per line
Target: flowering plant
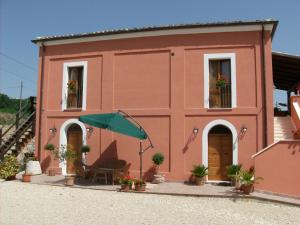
221 82
127 180
72 85
139 182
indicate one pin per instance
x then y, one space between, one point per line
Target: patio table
106 171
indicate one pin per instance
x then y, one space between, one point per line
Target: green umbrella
114 122
118 123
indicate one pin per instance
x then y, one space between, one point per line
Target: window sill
73 110
219 109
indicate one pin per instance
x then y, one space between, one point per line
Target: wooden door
75 140
219 155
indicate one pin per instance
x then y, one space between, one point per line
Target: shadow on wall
191 139
46 163
295 147
149 174
109 154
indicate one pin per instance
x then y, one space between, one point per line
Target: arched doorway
67 135
225 128
74 143
219 152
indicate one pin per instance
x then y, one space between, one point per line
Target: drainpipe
265 114
41 100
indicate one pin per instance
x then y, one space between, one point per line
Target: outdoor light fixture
195 131
52 130
89 129
243 130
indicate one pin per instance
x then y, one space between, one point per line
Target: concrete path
25 203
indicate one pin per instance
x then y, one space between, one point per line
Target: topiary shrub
158 159
9 167
85 149
49 147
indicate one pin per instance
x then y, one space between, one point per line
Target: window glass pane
225 70
219 84
75 76
213 91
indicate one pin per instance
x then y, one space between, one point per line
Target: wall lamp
195 131
53 130
243 130
89 129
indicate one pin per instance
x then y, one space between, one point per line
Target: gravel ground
42 205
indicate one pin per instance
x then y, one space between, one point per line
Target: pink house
214 78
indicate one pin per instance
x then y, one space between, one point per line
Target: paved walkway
171 188
23 203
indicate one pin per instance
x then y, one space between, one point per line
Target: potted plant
26 177
157 159
221 82
199 172
32 165
139 185
85 149
9 167
68 155
126 183
51 148
248 180
233 172
72 86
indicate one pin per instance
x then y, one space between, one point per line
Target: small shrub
29 156
247 177
139 182
158 158
9 167
233 171
85 149
49 147
199 171
69 154
127 180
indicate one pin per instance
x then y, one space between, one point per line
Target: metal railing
24 119
220 96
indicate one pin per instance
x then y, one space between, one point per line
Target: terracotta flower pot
247 189
26 177
51 172
70 180
125 187
11 177
199 181
140 187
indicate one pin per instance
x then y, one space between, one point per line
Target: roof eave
159 28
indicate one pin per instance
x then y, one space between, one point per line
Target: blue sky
21 21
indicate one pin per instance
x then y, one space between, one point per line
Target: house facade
203 92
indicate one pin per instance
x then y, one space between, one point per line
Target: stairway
18 134
283 128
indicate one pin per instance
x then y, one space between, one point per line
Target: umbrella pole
141 160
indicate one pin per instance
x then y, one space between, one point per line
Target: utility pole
21 90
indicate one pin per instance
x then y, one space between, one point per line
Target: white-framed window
220 80
74 85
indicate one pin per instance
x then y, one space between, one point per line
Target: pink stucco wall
159 81
279 168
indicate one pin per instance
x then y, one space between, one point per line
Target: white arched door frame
205 133
63 139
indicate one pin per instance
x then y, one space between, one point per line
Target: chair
116 168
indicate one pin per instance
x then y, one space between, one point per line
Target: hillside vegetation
8 107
